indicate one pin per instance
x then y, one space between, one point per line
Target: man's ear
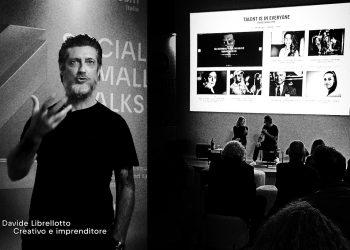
61 68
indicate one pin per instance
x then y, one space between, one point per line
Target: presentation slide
291 60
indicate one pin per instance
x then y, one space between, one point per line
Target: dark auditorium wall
200 127
29 66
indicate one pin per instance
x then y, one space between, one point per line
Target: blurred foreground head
300 226
234 150
329 163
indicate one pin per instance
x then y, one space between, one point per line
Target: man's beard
77 96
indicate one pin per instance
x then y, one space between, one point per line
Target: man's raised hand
48 116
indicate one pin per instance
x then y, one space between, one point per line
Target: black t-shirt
75 165
239 132
269 142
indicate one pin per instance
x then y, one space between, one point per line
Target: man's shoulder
274 127
108 113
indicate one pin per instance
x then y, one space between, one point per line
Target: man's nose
82 68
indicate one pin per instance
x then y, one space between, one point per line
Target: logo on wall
131 5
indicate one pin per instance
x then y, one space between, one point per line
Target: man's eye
73 62
91 62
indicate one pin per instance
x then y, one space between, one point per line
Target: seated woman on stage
240 131
231 186
267 140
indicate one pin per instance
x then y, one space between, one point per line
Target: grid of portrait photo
234 65
275 60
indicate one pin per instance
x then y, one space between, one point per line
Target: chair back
225 232
269 192
259 177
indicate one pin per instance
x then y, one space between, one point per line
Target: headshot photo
287 43
228 45
229 49
286 83
245 82
322 84
211 82
326 42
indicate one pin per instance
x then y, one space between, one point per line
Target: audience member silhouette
315 144
294 180
300 226
231 186
333 198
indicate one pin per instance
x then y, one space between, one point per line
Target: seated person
294 180
315 144
240 131
231 186
333 198
300 226
267 140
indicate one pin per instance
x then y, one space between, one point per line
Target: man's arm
44 119
21 158
273 137
125 201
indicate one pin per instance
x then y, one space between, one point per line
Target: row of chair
203 151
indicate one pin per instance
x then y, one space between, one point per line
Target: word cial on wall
126 72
